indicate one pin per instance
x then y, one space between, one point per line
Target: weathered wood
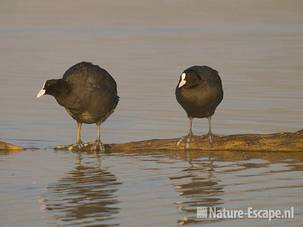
287 141
10 147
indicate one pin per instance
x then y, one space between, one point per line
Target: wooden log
10 147
286 141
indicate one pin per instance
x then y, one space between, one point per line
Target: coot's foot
98 146
76 147
187 139
210 137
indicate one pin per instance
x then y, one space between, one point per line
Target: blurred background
255 45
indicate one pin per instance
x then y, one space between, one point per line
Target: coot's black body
87 92
202 92
92 95
199 92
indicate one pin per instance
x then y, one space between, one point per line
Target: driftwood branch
287 141
10 147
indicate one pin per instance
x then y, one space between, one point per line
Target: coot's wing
86 76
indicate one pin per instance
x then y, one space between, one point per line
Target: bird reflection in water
86 196
198 187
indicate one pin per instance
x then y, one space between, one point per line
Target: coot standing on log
89 95
199 92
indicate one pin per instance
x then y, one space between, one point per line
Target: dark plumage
199 92
87 92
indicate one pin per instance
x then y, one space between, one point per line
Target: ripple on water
237 184
87 195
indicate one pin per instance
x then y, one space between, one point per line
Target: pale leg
98 146
188 137
79 144
78 138
209 134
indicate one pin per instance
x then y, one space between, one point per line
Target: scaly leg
188 137
98 146
78 139
210 134
79 144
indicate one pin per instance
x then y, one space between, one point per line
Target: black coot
88 93
199 92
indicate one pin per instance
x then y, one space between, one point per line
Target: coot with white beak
199 92
89 95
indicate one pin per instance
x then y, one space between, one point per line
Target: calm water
145 46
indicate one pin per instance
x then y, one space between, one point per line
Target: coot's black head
189 79
54 87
